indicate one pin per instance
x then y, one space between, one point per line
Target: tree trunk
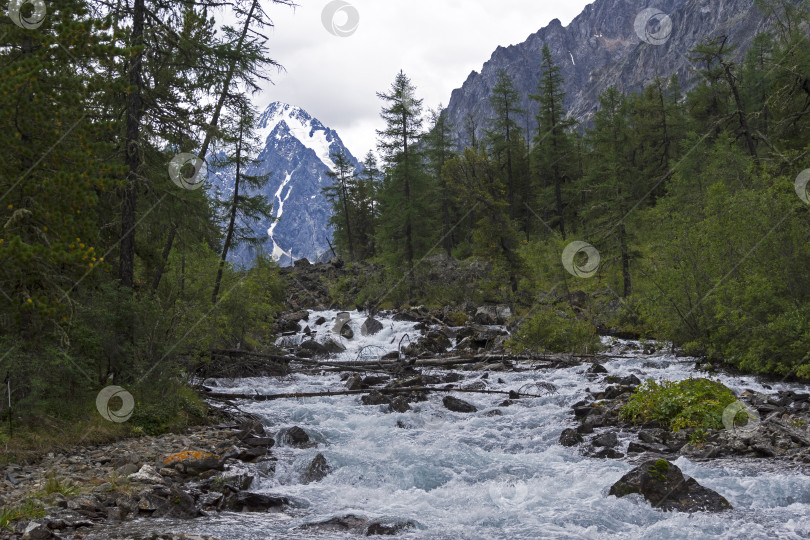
232 223
344 196
164 258
126 268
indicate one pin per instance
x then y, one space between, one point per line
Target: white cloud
436 42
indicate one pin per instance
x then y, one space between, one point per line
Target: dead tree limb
296 395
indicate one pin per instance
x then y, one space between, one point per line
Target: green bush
692 403
556 329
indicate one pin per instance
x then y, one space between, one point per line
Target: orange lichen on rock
188 455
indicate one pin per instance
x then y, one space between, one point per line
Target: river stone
664 486
386 526
487 315
597 368
340 320
258 502
458 405
399 404
146 475
317 469
608 440
337 524
570 437
375 397
294 436
333 347
346 331
36 531
178 504
371 326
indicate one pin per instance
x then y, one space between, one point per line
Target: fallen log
296 395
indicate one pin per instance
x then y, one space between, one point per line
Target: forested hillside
683 215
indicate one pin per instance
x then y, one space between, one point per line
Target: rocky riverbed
438 435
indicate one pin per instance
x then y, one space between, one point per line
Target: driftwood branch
295 395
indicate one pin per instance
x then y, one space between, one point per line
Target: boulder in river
294 436
333 347
665 486
247 501
317 469
375 397
347 332
596 367
458 405
399 404
370 327
570 437
608 439
341 319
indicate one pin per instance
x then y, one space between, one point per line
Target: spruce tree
504 132
405 228
552 145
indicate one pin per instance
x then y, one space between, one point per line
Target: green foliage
659 470
54 485
28 509
692 403
556 329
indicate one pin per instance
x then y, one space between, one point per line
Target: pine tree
406 224
439 146
243 210
474 180
344 211
504 132
552 145
716 54
611 178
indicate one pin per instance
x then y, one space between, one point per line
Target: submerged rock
570 437
317 469
370 327
294 436
458 405
665 486
375 397
399 404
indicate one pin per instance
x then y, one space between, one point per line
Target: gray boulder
665 487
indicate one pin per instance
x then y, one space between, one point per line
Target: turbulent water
472 476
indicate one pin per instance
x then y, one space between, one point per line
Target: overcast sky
436 42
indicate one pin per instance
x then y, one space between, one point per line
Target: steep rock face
600 48
296 153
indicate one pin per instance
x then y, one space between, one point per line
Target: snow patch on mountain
308 130
296 154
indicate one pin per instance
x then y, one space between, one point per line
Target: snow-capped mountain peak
296 152
308 130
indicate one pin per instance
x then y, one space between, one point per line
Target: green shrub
693 403
556 329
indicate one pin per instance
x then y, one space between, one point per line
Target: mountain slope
296 153
600 48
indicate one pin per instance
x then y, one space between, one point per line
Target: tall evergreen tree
338 193
243 210
611 178
440 145
504 132
406 226
553 146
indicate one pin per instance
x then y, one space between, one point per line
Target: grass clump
28 509
692 403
